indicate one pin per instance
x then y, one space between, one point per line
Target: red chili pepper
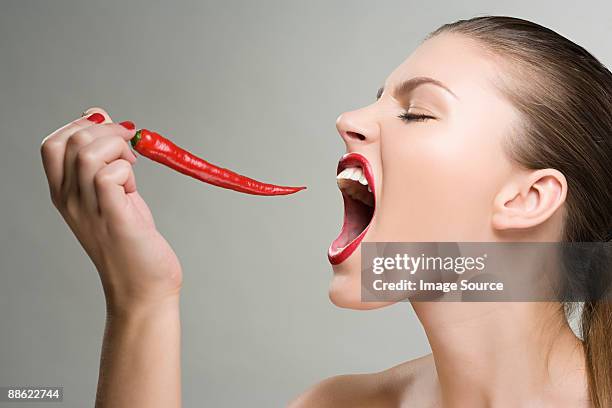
158 148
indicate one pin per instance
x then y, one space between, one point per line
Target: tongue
357 216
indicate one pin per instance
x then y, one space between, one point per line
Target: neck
502 354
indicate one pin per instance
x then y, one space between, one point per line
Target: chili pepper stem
136 138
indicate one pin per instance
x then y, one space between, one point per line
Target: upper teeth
353 173
346 181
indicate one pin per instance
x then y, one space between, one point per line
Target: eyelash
414 117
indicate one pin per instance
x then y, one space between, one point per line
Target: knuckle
102 178
49 147
85 157
124 167
80 137
110 172
72 207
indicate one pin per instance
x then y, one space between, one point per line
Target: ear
529 200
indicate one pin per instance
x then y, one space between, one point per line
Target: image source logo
486 271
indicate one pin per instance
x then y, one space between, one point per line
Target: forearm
88 165
140 361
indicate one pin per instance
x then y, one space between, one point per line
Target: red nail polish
96 118
128 125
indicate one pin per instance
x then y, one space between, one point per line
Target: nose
358 127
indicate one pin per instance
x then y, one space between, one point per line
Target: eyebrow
412 83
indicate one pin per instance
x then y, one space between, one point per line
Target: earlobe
529 201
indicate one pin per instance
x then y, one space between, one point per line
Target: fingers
92 158
54 145
112 183
77 141
75 154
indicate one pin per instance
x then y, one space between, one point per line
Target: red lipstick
359 205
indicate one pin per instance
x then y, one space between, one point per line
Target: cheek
436 187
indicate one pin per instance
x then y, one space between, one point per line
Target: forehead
458 61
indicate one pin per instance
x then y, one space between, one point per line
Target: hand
88 164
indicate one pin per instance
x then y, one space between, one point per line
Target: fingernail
96 118
91 110
128 125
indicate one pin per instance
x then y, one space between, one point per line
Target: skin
449 179
442 179
89 170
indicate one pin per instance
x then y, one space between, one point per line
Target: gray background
254 86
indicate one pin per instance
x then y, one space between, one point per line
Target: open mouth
356 182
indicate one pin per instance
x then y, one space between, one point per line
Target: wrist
143 309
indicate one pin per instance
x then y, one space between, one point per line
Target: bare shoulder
393 387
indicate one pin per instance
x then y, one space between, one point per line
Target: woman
494 129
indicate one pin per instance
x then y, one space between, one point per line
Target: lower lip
339 255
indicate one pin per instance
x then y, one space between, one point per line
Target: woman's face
434 179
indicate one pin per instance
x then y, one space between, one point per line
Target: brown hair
564 98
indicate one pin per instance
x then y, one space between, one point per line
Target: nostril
355 135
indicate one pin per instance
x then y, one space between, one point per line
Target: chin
349 300
341 294
345 286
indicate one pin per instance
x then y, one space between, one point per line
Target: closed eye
414 117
